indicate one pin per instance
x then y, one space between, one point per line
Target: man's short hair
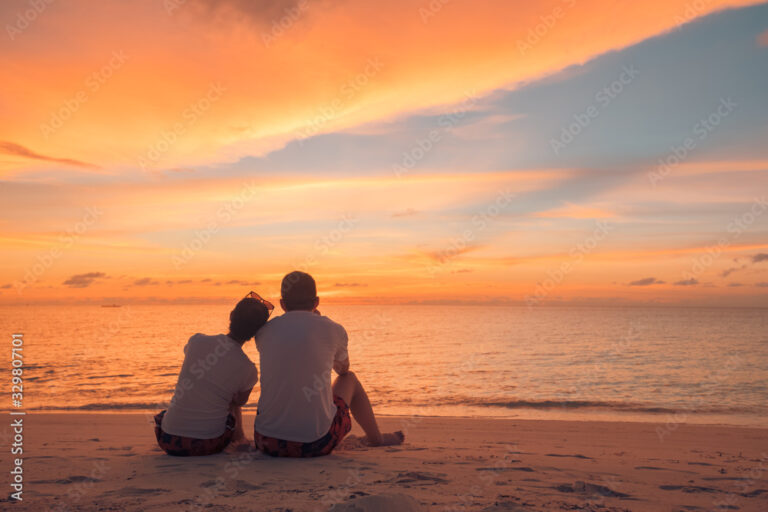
298 291
247 318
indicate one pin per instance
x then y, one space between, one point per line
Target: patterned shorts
341 425
186 446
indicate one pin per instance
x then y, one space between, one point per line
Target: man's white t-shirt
215 369
296 354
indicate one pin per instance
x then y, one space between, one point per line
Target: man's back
296 352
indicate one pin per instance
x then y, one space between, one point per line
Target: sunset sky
548 152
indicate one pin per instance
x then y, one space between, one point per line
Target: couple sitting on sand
300 414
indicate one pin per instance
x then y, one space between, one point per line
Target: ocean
664 365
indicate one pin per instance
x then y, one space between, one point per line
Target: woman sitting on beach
215 381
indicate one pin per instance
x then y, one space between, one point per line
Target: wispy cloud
11 148
729 271
178 281
84 280
443 255
755 258
349 285
646 282
240 282
145 281
687 282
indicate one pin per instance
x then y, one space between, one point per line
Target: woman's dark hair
247 318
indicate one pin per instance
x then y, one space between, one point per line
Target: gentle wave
553 404
590 404
104 407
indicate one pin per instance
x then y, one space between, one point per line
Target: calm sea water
673 364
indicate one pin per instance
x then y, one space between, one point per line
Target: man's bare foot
387 439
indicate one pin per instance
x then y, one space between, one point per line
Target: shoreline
700 419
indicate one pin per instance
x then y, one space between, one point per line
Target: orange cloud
190 88
9 148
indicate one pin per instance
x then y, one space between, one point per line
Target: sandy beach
100 461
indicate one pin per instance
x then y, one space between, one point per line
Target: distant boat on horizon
111 305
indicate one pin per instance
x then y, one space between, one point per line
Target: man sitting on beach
299 413
215 381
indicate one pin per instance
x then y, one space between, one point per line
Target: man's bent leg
349 388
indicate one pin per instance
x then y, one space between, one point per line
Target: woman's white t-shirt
215 369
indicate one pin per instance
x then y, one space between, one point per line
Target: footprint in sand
505 506
513 468
693 489
75 479
239 486
375 503
420 478
594 489
173 467
116 448
576 456
242 485
136 491
656 468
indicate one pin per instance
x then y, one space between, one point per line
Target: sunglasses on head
267 304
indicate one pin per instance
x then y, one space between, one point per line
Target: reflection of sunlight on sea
709 365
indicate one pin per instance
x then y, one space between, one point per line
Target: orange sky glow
163 151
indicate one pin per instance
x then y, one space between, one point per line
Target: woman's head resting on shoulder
246 319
